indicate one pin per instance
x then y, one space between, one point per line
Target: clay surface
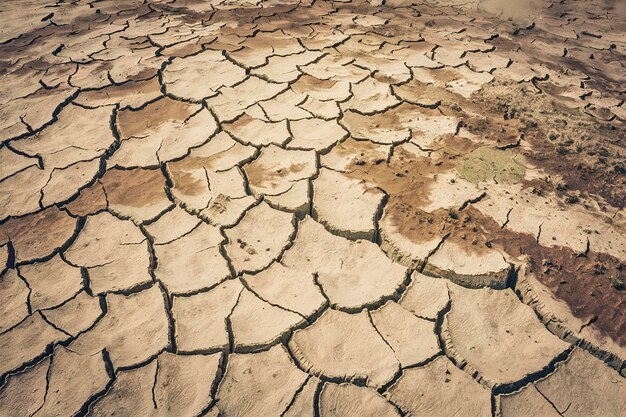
305 208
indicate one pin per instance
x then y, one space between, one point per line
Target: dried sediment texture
69 153
290 289
345 346
114 252
585 287
249 247
191 183
425 297
162 131
486 268
276 170
343 400
347 207
270 381
312 208
601 395
24 392
14 294
491 334
231 102
258 132
439 389
51 283
192 261
77 314
484 164
201 320
78 135
39 236
27 341
560 320
179 384
412 339
138 194
73 378
269 325
90 200
555 223
317 134
303 403
134 329
352 274
4 258
200 76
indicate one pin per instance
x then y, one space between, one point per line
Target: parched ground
314 208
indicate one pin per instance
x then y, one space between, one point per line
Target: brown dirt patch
134 187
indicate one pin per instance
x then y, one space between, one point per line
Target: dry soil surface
312 208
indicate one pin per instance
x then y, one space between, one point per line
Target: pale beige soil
312 208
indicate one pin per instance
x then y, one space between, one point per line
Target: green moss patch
484 164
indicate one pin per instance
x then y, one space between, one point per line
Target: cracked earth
312 208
